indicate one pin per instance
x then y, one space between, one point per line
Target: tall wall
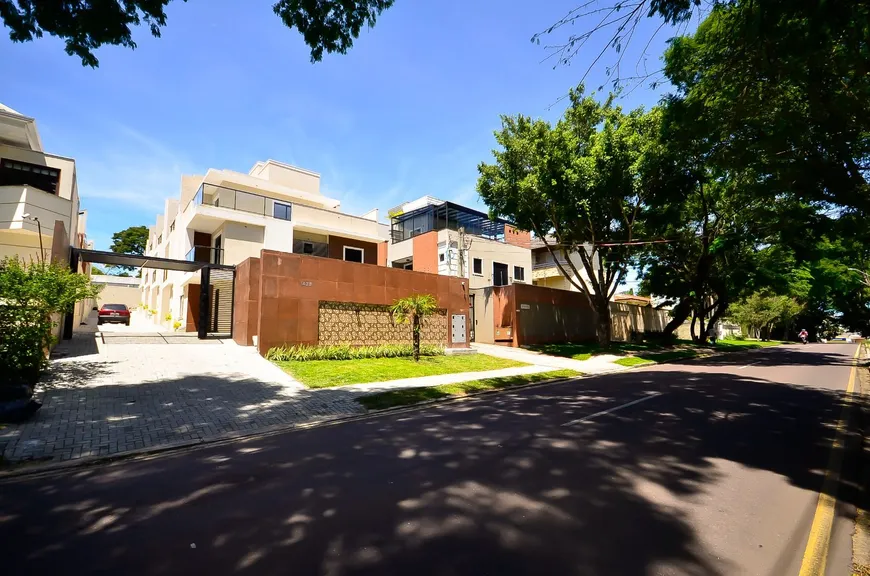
426 252
546 315
628 318
290 289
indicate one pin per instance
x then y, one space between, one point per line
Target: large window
281 211
15 173
352 254
477 266
519 274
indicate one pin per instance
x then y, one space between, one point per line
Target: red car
114 313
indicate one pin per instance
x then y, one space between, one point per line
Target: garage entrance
210 302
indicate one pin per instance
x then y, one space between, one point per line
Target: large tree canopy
132 240
85 25
581 181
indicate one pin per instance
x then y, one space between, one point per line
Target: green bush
740 337
29 295
302 352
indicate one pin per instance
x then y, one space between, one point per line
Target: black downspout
204 309
68 318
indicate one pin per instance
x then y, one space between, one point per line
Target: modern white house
545 269
439 237
225 217
40 216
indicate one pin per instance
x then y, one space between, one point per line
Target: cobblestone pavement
133 395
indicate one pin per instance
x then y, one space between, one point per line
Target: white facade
546 272
37 190
225 217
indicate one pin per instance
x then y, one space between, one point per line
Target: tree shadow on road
494 485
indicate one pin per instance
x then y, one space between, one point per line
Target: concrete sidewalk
600 364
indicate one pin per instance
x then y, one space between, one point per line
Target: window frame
362 253
288 207
307 245
521 277
38 169
475 269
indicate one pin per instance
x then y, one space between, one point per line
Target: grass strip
408 396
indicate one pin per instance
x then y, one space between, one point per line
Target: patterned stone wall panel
372 324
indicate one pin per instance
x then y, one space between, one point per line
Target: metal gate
217 292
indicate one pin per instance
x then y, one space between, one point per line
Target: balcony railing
550 264
205 254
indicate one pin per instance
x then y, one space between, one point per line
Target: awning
139 261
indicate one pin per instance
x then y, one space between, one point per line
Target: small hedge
302 353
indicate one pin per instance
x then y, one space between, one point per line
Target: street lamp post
39 228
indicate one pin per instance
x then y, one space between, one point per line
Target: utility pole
39 228
463 248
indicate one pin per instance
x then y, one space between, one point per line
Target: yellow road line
816 553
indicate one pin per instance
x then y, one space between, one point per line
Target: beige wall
22 244
335 222
483 311
490 251
628 318
287 175
240 241
114 294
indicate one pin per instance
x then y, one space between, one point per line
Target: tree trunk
692 328
681 313
416 338
604 327
702 335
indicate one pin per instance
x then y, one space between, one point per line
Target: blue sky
410 110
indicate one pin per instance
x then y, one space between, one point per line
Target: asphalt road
715 471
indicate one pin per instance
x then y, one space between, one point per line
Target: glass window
519 273
441 257
16 173
307 248
353 254
477 264
281 211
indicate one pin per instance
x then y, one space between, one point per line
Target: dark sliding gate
216 295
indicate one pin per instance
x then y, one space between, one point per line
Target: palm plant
413 310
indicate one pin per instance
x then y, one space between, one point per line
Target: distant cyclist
804 335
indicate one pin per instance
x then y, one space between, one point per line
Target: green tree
132 240
326 25
760 313
31 295
414 310
581 181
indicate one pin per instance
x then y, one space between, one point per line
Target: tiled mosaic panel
371 324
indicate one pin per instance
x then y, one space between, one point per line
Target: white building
225 217
38 194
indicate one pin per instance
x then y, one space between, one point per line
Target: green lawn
414 395
633 361
585 350
328 373
684 351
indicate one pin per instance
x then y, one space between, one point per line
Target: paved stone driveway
138 395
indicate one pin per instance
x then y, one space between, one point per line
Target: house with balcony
225 217
545 267
439 237
40 216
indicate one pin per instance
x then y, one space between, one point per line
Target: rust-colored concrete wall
337 244
517 237
246 304
291 287
426 252
549 315
193 291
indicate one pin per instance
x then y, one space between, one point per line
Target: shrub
302 352
740 337
29 295
176 325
